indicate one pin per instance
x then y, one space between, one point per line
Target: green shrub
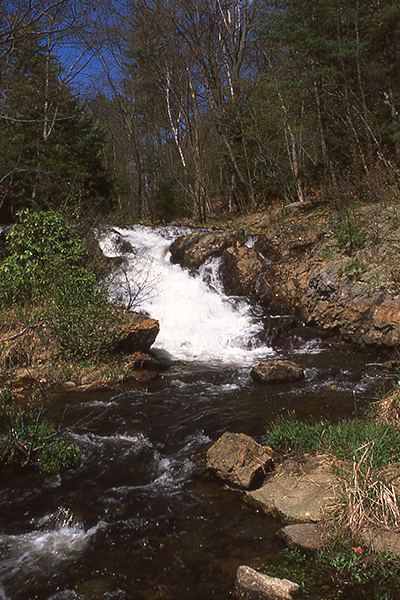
45 265
349 234
33 246
28 439
80 316
59 456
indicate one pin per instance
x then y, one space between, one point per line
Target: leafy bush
33 246
79 314
28 439
45 265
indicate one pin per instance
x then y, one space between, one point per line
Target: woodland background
166 109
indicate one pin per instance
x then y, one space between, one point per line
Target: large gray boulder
237 459
252 585
297 497
277 371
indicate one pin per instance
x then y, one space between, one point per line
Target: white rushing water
25 557
198 322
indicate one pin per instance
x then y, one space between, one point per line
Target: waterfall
198 322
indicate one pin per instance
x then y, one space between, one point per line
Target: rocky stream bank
337 273
297 264
305 267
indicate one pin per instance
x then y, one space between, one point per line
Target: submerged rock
252 585
277 371
239 460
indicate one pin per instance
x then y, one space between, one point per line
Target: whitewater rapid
198 321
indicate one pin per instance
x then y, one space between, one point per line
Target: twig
13 337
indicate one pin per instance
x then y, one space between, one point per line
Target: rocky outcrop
252 585
289 261
244 271
277 371
194 249
237 459
138 334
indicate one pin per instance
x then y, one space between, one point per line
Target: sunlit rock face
139 334
236 458
277 371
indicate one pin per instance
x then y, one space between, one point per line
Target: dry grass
389 408
369 500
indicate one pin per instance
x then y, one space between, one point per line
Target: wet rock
277 371
296 495
244 273
97 589
239 460
139 361
139 334
309 537
194 249
251 585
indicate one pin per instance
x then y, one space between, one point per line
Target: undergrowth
342 571
344 439
367 449
45 273
28 439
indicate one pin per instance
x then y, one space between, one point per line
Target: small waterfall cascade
198 322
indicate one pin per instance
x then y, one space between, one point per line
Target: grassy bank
56 320
367 454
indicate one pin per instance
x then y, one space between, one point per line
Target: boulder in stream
298 497
237 459
252 585
192 250
277 371
138 334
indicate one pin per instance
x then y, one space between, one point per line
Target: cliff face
337 272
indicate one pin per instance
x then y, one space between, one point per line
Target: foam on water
24 557
198 322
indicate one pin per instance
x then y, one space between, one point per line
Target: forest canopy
165 109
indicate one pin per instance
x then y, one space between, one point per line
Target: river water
135 521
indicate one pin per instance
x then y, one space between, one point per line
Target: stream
134 521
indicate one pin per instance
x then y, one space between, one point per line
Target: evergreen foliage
51 148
